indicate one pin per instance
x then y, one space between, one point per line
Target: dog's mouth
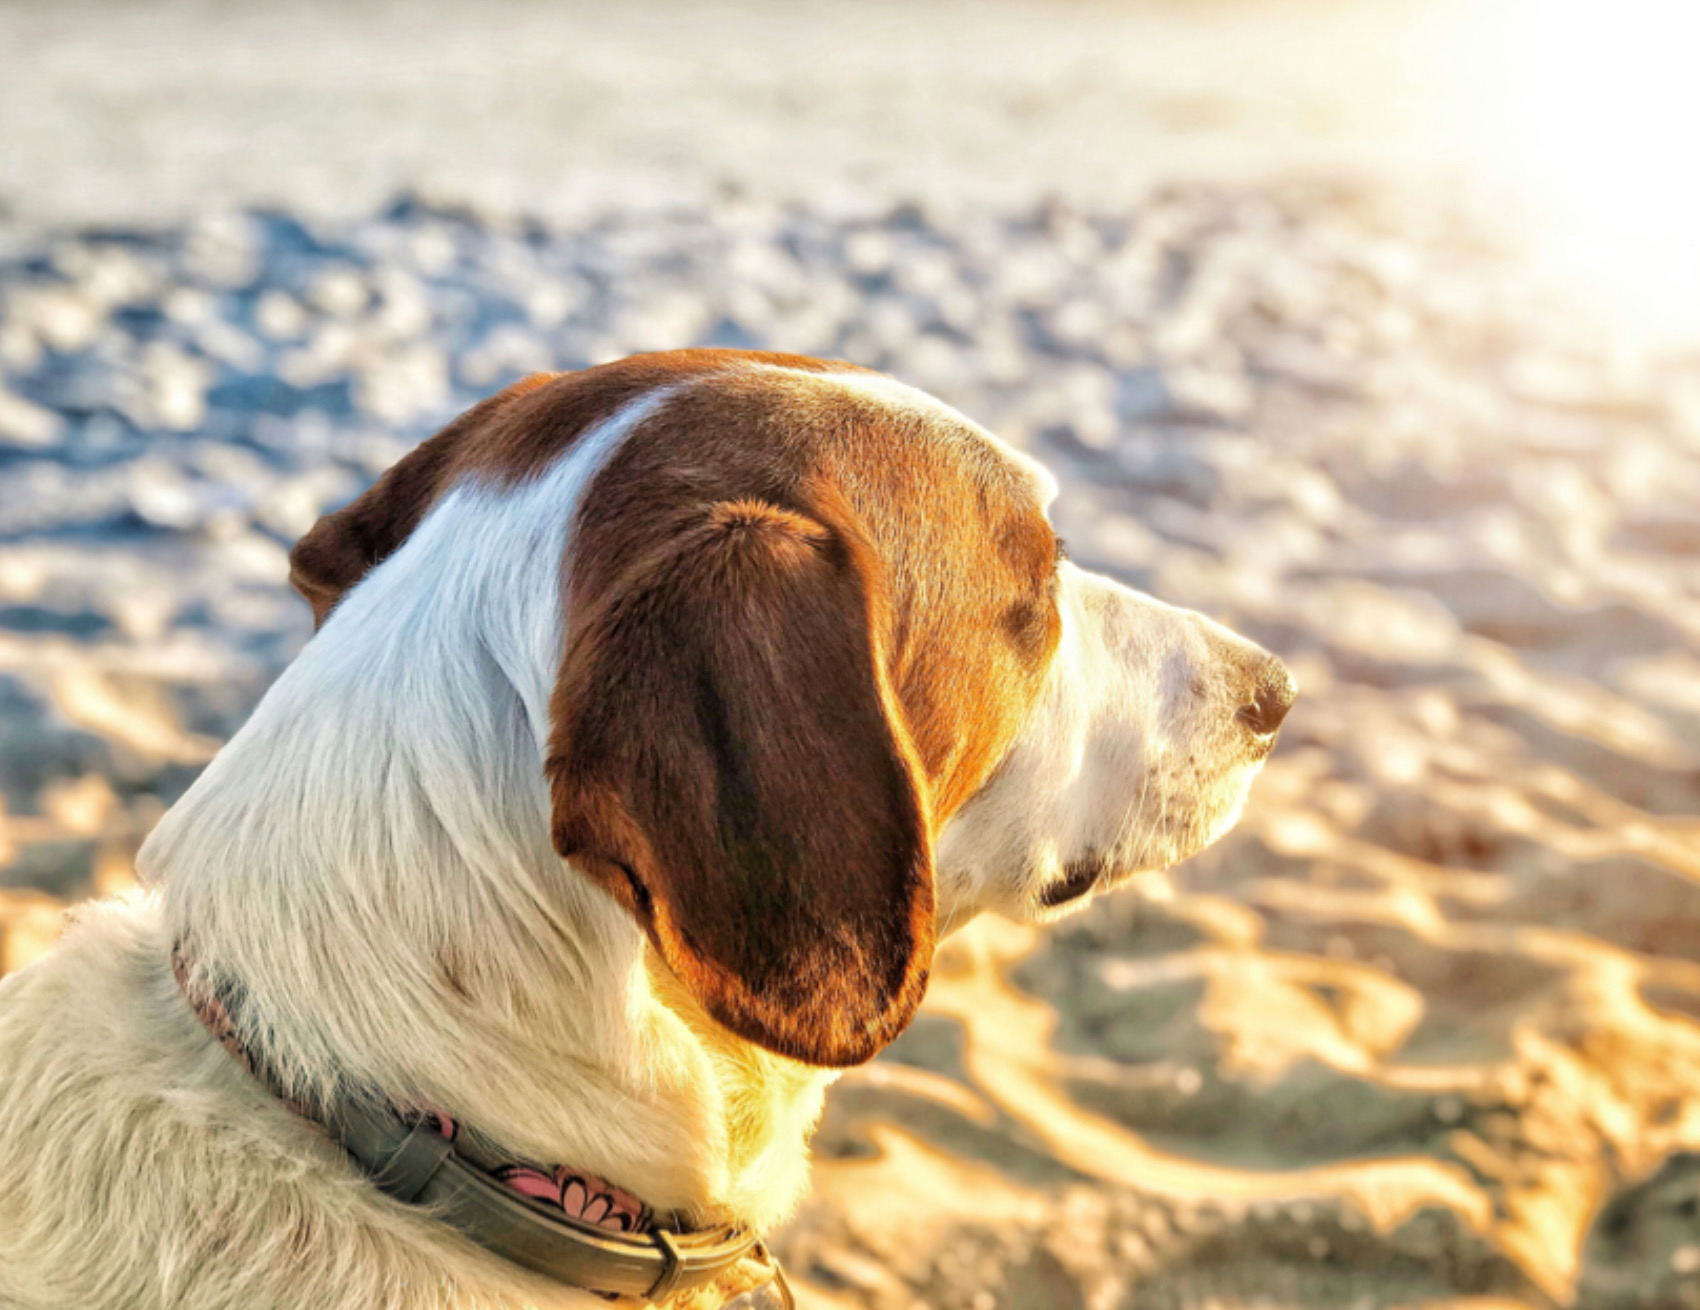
1177 838
1080 879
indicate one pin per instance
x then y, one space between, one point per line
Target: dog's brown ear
343 546
728 764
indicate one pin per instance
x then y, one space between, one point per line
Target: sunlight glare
1608 124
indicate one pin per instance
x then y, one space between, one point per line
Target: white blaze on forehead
911 400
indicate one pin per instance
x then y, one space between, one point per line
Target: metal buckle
673 1274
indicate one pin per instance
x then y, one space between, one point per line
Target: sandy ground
1422 1032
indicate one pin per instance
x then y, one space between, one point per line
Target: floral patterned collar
521 1210
576 1194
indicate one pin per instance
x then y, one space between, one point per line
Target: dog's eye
1062 550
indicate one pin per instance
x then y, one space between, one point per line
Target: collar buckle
417 1166
672 1272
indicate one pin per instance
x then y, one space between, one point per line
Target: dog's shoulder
140 1165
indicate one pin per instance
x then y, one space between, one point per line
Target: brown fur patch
509 436
963 553
726 764
805 620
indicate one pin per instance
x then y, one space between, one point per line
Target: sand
1421 1032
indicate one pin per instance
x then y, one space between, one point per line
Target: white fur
379 825
1131 754
371 857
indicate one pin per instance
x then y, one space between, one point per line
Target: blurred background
1370 328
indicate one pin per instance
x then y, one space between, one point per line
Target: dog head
823 678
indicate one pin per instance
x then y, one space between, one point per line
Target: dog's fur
659 719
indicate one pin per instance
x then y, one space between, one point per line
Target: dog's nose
1272 696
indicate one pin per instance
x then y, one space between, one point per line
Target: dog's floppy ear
727 762
343 546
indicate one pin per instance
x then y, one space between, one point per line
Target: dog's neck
370 861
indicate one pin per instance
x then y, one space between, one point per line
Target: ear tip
316 571
856 1043
312 589
839 1027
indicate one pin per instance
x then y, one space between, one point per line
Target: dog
659 719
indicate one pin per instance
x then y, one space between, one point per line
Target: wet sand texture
1421 1032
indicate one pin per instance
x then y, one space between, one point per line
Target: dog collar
569 1226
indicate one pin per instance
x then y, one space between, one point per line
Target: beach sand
1422 1031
